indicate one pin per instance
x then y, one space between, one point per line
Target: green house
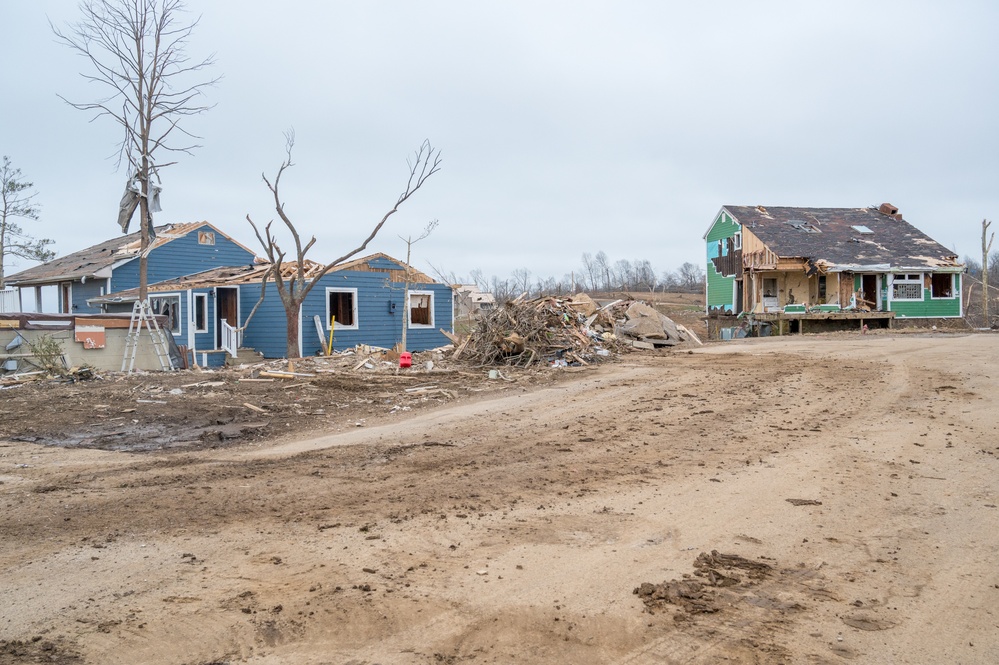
791 269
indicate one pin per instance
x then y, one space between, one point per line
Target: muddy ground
821 499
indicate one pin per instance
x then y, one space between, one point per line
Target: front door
226 307
869 292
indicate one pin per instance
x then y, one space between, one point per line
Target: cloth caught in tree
130 201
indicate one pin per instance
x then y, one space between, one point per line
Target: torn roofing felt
248 274
97 260
846 238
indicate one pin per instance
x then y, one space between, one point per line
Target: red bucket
405 359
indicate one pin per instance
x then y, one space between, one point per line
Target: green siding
723 227
719 287
928 308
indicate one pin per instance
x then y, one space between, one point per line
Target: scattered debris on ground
700 596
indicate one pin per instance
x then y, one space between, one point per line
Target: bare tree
18 202
590 271
293 291
603 270
431 225
136 49
478 279
691 276
522 280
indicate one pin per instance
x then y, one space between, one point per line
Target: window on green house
942 285
907 287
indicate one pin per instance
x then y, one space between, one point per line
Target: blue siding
202 341
376 324
266 332
183 256
381 263
82 291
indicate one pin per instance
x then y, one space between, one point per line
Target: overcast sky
565 127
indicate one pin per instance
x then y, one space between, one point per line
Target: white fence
231 338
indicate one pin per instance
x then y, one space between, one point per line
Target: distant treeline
597 274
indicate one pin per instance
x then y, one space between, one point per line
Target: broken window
168 306
942 285
341 306
822 288
199 315
206 238
421 309
737 240
907 287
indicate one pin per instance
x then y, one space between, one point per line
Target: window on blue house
199 316
341 305
421 309
168 306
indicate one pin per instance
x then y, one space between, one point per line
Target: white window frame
176 318
737 240
907 279
339 325
953 291
409 309
194 310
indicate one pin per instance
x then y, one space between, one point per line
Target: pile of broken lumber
524 333
569 331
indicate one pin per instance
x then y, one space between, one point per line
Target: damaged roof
844 237
98 260
248 274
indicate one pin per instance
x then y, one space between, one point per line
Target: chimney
890 210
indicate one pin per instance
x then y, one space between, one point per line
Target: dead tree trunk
985 270
294 281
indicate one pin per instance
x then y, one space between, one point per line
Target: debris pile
573 331
646 327
542 331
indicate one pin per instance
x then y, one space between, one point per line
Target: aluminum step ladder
142 315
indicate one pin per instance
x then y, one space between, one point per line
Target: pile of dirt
700 596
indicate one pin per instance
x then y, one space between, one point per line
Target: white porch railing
231 338
9 300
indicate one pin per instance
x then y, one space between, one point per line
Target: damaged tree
137 48
17 202
303 276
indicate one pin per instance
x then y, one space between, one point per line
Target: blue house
113 266
364 301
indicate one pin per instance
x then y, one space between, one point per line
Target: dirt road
515 527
